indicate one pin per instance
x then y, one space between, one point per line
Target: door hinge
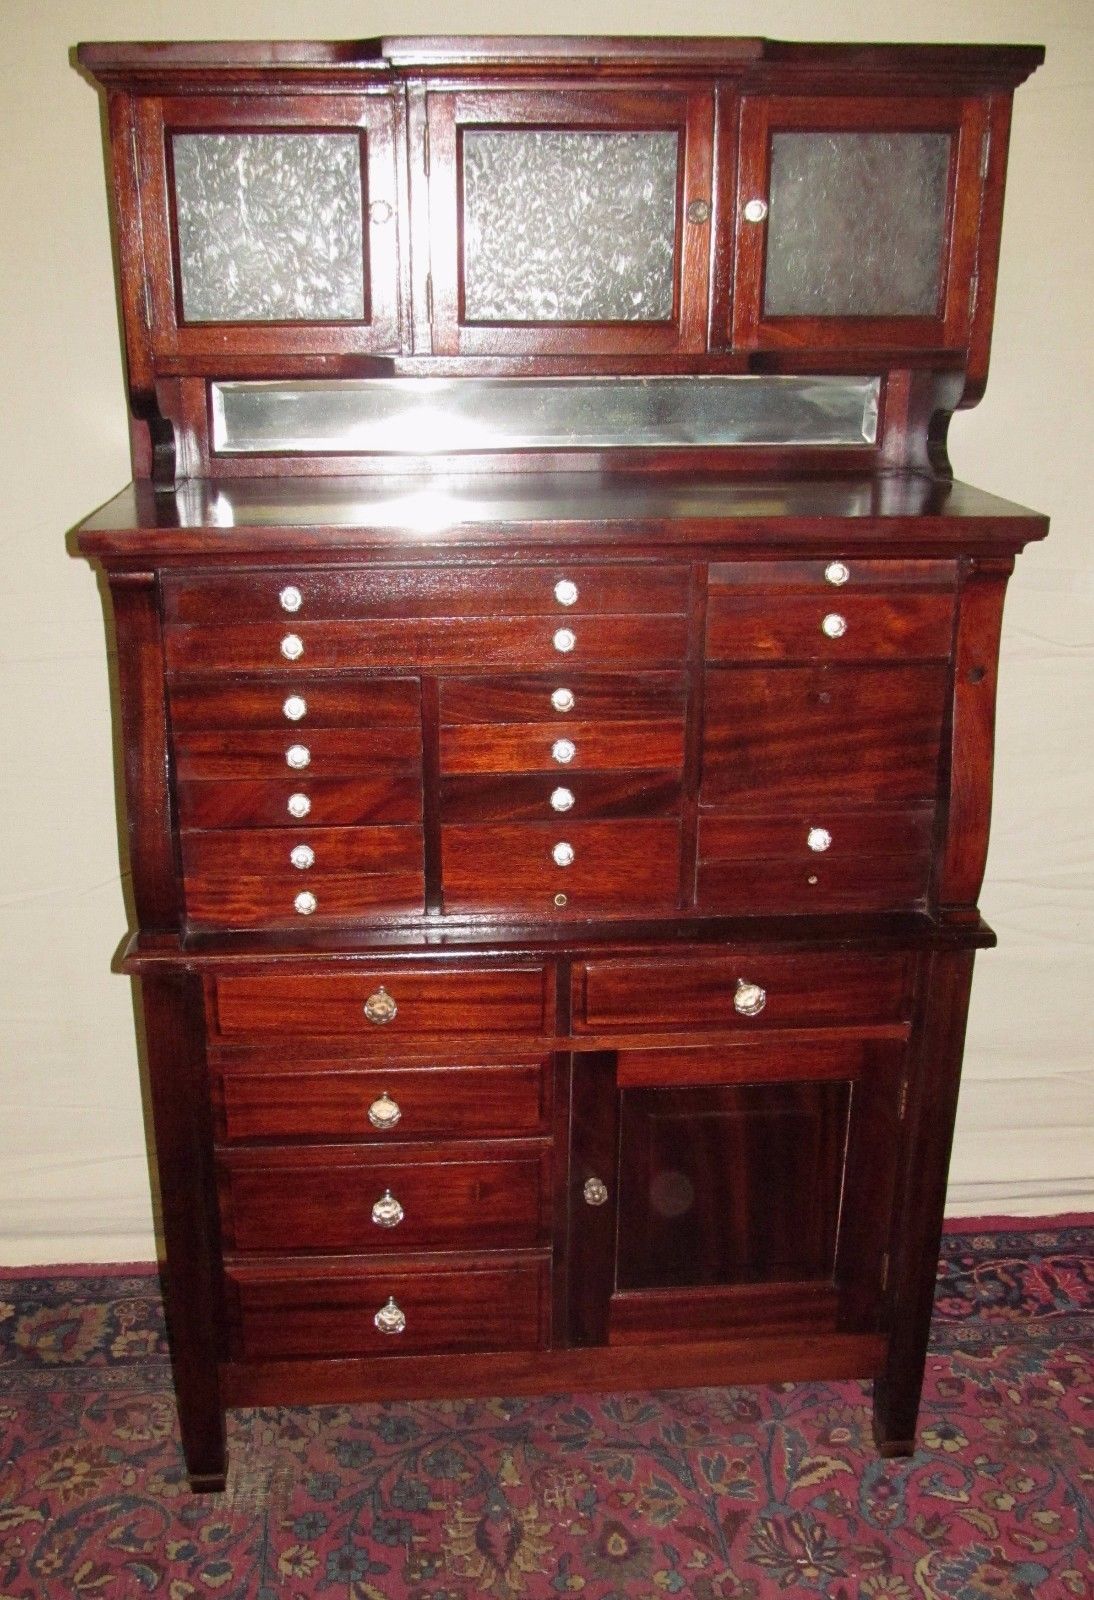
885 1272
425 149
429 296
985 152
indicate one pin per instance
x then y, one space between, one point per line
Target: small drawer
310 752
300 801
771 885
540 796
382 1005
288 859
460 1303
831 575
372 703
549 747
382 1105
265 901
342 1198
563 869
836 627
565 697
747 989
830 831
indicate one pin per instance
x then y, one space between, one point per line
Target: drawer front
382 1105
539 643
240 901
576 794
847 627
700 991
419 1002
617 868
801 737
462 591
808 835
607 696
866 883
547 747
498 1202
390 797
309 753
372 703
268 851
832 576
446 1306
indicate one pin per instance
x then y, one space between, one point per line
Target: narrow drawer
371 703
418 1001
832 575
537 797
617 868
771 885
564 697
382 1105
844 627
342 1198
314 752
263 901
547 747
482 590
808 835
537 643
394 796
269 851
462 1303
699 990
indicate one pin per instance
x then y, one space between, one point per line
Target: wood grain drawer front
752 1058
702 991
618 868
802 737
566 697
585 795
391 797
844 627
385 1105
450 1305
831 576
537 643
465 591
367 703
322 1198
547 747
310 753
427 1001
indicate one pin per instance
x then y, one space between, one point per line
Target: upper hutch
556 683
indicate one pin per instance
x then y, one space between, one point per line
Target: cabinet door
856 222
279 223
569 223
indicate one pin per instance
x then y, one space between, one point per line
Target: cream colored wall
73 1179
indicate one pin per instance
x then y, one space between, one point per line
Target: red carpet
717 1494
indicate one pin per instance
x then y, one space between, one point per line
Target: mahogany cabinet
556 679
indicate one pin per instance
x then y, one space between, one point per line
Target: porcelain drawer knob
563 700
755 210
390 1319
295 707
299 805
562 854
380 1007
387 1212
384 1113
834 626
836 572
818 839
305 903
292 647
750 999
566 592
302 856
290 598
562 799
595 1192
565 639
298 756
564 751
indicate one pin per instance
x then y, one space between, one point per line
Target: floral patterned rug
720 1494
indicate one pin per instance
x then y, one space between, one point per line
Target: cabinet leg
896 1407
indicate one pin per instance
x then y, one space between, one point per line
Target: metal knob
562 799
384 1113
302 856
749 999
305 903
833 625
595 1192
818 839
564 751
387 1212
566 592
295 707
380 1007
836 572
290 598
389 1318
298 756
292 647
755 210
562 854
565 639
299 805
563 700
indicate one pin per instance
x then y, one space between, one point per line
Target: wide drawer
467 590
614 868
778 990
345 1198
850 627
562 698
547 747
312 752
403 1002
329 1309
300 801
538 796
381 1105
371 703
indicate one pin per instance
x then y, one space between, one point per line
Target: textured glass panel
856 224
568 227
269 226
419 415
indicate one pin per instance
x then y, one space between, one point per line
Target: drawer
419 1001
832 576
316 752
381 1105
243 901
752 1058
466 590
617 868
461 1303
576 794
805 737
809 835
268 851
699 990
563 697
343 1198
394 796
372 703
549 747
532 643
844 627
